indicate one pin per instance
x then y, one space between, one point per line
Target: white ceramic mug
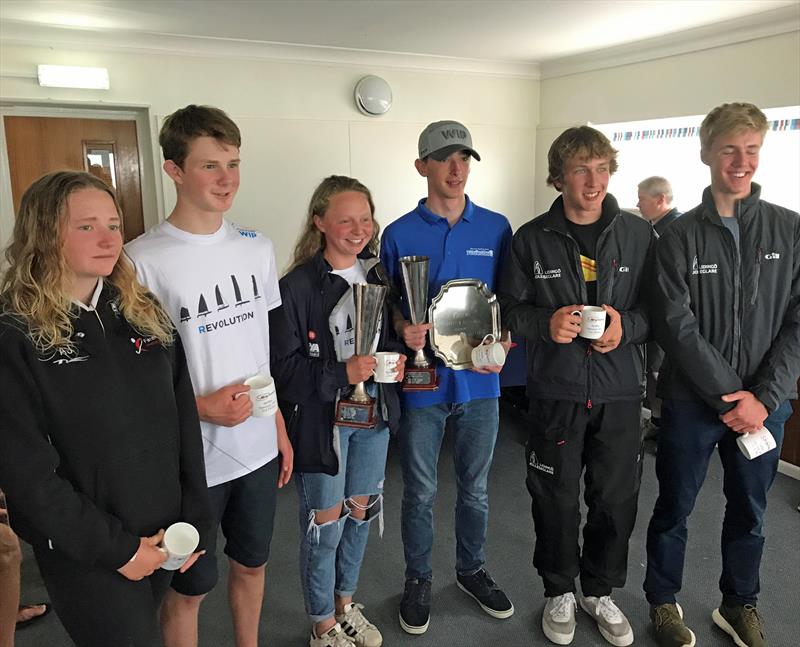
593 322
489 353
179 543
386 368
262 395
757 443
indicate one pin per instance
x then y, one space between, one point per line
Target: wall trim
728 32
27 34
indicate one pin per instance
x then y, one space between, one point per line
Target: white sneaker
360 630
334 637
558 619
611 622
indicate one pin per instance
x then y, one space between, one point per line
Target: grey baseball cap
442 138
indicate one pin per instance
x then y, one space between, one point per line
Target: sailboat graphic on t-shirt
237 292
221 299
221 305
202 307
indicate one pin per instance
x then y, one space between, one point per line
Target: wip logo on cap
442 138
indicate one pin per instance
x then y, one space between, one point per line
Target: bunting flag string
692 131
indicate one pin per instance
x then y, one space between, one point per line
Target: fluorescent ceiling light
72 76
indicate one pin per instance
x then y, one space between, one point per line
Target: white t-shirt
344 313
218 289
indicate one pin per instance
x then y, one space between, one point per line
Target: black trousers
99 607
565 439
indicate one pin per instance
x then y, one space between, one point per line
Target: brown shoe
742 622
669 628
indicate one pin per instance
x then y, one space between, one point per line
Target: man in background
655 205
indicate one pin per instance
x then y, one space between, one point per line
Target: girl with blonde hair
100 446
339 469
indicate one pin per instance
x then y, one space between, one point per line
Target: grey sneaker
334 637
741 622
558 619
360 630
611 622
669 628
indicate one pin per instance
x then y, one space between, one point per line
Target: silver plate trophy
420 375
358 408
462 314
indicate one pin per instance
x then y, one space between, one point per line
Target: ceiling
530 32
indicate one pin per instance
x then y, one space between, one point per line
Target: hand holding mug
224 406
565 324
359 368
386 366
262 395
146 560
612 335
488 356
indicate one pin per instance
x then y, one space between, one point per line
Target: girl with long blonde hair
339 467
100 446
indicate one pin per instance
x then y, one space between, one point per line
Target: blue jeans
474 425
689 433
331 553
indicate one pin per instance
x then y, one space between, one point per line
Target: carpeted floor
456 620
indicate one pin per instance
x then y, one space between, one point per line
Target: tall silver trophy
358 408
421 375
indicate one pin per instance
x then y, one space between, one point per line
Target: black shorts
245 510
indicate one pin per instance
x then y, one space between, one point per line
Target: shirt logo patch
480 251
62 356
540 273
772 256
313 349
247 233
624 268
699 268
142 344
533 461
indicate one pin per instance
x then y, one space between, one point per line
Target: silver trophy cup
358 409
421 375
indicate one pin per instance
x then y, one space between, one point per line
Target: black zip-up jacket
102 445
544 273
666 220
728 318
308 376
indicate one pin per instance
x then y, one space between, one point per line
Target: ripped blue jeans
331 553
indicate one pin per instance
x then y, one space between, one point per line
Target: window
671 148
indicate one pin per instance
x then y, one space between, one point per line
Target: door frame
146 134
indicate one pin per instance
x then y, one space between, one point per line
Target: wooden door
105 147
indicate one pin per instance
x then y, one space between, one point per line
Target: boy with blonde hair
723 377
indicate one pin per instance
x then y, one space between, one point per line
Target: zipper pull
589 403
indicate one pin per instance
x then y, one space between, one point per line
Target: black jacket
728 318
308 376
544 273
667 219
100 446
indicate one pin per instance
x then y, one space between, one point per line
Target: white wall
764 71
299 124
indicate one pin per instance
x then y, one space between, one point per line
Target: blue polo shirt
472 249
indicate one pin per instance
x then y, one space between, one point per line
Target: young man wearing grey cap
462 240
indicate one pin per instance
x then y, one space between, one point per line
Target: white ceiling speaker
373 96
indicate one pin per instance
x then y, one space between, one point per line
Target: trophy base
356 414
420 379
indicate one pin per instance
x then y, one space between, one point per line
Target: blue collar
435 219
